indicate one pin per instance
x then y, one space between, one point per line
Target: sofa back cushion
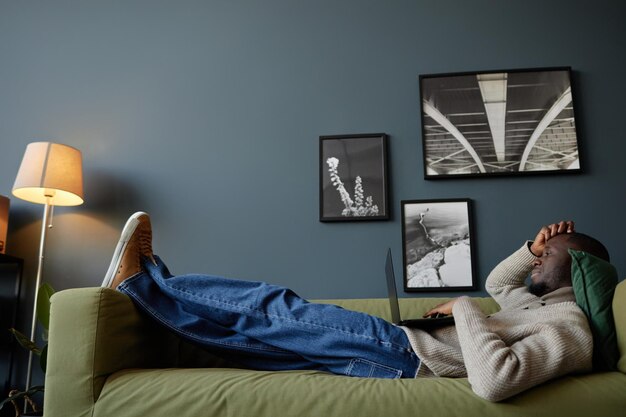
619 314
409 307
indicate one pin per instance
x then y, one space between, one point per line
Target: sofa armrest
619 315
95 332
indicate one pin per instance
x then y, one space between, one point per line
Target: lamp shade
50 173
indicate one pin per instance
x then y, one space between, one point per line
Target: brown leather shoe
135 242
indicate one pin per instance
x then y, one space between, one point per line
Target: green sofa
106 359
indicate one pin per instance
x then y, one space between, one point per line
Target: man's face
553 269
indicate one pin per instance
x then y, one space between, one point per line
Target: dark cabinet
10 283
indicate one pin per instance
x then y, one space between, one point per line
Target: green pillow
594 281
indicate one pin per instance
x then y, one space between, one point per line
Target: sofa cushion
594 281
242 393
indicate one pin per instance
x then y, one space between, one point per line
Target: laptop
422 323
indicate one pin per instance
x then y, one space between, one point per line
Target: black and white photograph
510 122
353 177
437 245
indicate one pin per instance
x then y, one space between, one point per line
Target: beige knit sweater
529 341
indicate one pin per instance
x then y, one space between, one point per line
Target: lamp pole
46 223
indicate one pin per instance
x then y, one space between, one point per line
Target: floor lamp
50 174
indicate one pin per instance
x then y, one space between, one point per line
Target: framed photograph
353 177
509 122
438 252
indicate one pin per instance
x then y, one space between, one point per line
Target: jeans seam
350 366
388 344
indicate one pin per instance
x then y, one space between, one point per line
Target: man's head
553 269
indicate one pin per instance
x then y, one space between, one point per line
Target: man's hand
445 309
548 232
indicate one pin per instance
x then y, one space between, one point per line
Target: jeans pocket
367 369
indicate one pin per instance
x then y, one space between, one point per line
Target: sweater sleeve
506 282
497 371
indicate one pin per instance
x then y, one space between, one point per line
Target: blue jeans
266 327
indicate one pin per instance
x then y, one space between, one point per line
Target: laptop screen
391 289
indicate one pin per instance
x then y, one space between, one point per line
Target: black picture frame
529 112
353 172
438 245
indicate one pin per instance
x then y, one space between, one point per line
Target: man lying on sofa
539 333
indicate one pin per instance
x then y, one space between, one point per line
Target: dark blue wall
207 115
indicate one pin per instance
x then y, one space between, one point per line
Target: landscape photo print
437 245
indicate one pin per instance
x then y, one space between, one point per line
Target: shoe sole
127 232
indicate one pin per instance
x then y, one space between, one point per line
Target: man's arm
497 371
506 282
